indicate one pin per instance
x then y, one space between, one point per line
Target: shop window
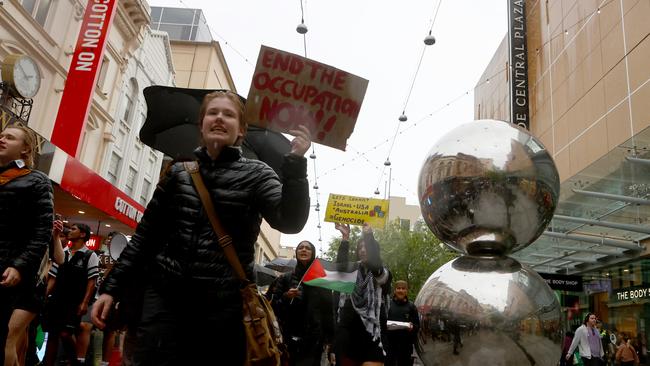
130 181
39 9
114 168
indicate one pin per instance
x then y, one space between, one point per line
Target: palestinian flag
333 276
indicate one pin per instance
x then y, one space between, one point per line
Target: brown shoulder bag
264 345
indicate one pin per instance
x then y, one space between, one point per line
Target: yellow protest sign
356 210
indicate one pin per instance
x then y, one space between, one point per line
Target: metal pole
625 244
583 260
587 250
632 159
614 225
614 197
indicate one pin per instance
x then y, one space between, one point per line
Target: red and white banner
91 188
82 75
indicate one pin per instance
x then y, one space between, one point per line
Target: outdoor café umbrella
172 127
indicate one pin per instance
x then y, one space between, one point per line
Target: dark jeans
594 361
182 329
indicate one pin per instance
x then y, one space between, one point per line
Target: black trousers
182 330
594 361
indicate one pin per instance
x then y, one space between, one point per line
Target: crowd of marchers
183 301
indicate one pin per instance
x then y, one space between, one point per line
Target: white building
127 163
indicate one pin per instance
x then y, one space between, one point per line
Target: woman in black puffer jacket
26 214
191 313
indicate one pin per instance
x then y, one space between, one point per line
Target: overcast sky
381 41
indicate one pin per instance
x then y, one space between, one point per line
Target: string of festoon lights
408 126
429 40
302 30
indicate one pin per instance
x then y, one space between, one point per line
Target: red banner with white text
82 75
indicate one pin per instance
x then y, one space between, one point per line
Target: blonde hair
233 97
29 139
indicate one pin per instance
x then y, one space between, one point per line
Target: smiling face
401 290
221 126
12 145
304 253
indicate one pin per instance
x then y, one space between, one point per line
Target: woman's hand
302 141
101 309
366 229
344 229
293 292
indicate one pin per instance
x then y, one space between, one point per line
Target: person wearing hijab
362 314
305 313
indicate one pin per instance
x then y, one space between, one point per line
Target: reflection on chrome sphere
489 311
488 188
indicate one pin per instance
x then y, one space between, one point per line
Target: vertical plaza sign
519 108
82 75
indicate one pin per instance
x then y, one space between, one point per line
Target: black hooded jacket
26 214
309 316
175 240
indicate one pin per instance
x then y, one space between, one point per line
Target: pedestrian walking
191 306
587 340
26 218
626 354
568 338
72 287
362 316
403 334
306 313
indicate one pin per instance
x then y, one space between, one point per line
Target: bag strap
225 241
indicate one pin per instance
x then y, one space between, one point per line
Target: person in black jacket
362 314
191 309
26 217
400 339
306 313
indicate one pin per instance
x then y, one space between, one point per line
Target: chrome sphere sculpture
486 189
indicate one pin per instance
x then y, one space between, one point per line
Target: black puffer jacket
176 241
26 214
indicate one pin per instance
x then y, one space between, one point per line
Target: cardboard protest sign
289 90
356 210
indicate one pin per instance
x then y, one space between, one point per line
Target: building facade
48 32
588 91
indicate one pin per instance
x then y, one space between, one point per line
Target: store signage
630 293
356 210
82 75
289 90
563 282
519 108
89 187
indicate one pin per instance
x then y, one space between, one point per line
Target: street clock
22 75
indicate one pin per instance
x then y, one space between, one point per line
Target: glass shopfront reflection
620 297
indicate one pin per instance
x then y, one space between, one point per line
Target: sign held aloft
289 90
356 210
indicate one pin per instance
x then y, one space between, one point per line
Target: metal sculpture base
488 311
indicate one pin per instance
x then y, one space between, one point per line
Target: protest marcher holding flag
362 313
306 313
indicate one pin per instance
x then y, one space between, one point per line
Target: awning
603 215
